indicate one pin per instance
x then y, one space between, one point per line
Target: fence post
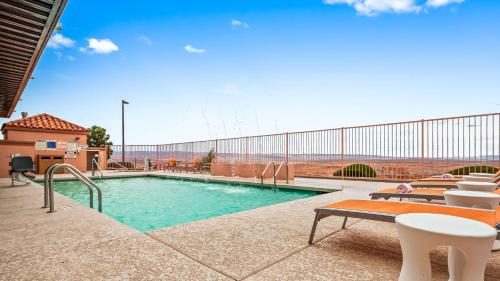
246 150
216 150
342 153
422 147
157 157
286 156
493 122
123 153
192 152
108 155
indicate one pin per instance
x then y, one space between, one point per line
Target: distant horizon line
338 128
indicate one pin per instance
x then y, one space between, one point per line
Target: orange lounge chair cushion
456 178
440 179
422 191
415 191
399 208
433 183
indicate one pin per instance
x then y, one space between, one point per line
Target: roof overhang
25 29
7 128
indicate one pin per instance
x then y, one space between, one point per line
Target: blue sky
195 70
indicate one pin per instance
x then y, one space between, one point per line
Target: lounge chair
387 212
172 164
420 191
434 184
455 178
443 184
22 165
196 167
438 178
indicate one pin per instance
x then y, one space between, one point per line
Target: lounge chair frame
322 213
401 196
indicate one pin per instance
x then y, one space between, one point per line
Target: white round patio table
491 176
420 232
477 186
474 199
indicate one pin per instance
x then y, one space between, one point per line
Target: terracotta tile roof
44 121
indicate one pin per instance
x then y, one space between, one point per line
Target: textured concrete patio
77 243
269 243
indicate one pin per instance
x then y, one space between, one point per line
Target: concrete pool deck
269 243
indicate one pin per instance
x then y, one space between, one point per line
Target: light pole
123 131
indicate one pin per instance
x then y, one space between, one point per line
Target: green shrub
116 165
209 157
473 169
357 170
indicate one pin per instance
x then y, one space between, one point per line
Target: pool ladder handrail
118 164
264 173
49 188
96 165
283 163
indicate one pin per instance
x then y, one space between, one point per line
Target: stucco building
47 139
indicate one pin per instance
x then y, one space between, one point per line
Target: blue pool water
147 203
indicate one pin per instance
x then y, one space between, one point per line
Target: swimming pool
148 203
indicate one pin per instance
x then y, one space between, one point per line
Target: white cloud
238 23
100 46
375 7
71 57
146 40
191 49
58 41
439 3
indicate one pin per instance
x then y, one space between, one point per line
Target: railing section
402 150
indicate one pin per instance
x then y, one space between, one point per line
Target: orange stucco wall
250 170
102 156
13 136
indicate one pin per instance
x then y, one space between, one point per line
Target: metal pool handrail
49 189
278 170
117 163
265 170
96 165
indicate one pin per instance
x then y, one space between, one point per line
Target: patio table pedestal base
470 243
